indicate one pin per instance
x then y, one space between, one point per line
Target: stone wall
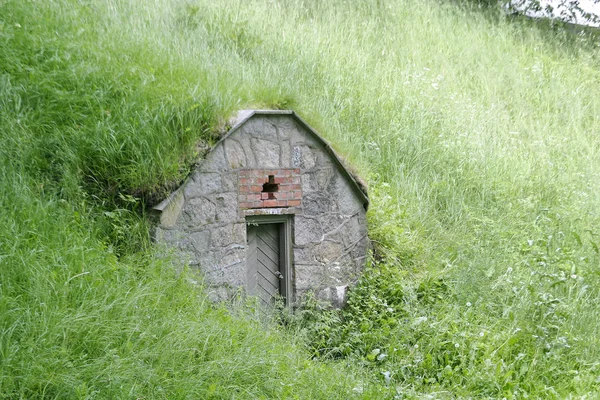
205 220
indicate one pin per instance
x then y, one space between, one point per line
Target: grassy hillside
478 136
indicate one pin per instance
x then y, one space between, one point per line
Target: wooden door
265 272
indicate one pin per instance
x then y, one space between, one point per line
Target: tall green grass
93 131
76 322
478 135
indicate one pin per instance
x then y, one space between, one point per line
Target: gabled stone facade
270 168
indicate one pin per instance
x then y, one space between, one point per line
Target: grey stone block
336 295
286 127
200 211
226 207
304 157
309 276
204 262
200 241
307 231
244 141
171 236
222 236
327 252
286 155
347 201
229 180
262 129
215 161
352 230
317 203
332 223
323 177
235 154
204 183
266 153
303 256
230 270
309 183
239 233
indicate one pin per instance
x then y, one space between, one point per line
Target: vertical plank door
263 261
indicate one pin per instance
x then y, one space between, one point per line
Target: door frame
285 250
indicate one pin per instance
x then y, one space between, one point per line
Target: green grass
478 135
78 323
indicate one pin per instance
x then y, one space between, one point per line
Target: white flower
469 304
456 345
481 334
416 346
387 375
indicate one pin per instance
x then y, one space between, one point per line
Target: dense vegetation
477 134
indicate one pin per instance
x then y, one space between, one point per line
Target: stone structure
272 210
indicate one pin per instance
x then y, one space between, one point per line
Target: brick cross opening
282 189
270 187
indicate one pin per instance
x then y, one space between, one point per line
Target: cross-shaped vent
270 187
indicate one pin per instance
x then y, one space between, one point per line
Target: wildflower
387 375
469 304
456 345
481 334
